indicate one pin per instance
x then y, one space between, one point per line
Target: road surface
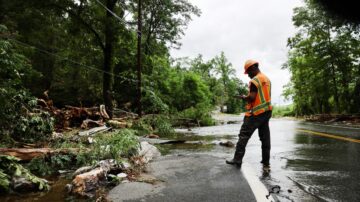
310 162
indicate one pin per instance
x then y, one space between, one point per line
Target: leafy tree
88 54
323 60
18 117
164 23
236 87
223 69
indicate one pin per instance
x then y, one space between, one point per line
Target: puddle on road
170 148
195 137
193 143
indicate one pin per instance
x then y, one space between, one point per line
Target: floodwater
307 167
57 193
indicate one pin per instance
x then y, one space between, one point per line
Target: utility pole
139 30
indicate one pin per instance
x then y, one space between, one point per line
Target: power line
123 4
110 11
134 81
116 16
69 60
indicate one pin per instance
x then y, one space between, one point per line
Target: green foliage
161 124
34 127
19 118
40 167
4 182
153 103
115 145
283 111
24 121
61 161
44 166
200 113
191 92
154 123
324 63
165 22
10 166
235 87
142 128
79 41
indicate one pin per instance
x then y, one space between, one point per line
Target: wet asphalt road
309 161
306 166
312 167
187 178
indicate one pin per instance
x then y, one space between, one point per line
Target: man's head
251 68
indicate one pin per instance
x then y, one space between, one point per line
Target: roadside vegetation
70 66
283 111
324 63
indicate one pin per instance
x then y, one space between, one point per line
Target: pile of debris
83 117
75 116
334 118
87 180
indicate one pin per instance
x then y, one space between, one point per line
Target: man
258 115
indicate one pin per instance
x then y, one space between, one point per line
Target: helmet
248 64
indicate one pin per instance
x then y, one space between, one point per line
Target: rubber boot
237 161
266 168
234 162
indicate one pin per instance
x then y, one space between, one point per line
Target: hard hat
248 64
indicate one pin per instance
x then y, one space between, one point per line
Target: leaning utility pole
139 58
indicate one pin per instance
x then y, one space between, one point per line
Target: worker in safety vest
258 114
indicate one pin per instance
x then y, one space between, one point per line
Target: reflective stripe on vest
262 102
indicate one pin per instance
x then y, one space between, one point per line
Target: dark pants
251 123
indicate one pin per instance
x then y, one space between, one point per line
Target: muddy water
56 194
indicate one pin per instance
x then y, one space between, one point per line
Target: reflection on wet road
307 166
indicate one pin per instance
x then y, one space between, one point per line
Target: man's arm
252 95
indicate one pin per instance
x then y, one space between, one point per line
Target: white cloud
243 29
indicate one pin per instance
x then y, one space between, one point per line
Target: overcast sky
243 29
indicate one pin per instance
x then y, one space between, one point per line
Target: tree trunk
108 78
139 59
336 95
333 73
26 154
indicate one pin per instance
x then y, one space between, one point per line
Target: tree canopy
324 63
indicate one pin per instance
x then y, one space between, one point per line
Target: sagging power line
139 23
117 17
133 81
69 60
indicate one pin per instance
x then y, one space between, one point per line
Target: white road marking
256 186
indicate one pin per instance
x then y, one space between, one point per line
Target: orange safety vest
262 102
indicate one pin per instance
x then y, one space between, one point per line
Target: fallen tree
26 154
